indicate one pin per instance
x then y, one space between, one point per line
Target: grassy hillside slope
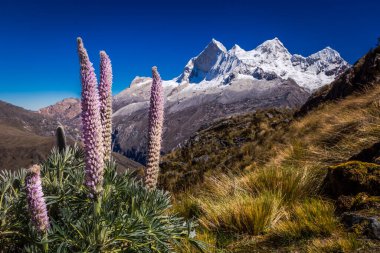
274 201
226 146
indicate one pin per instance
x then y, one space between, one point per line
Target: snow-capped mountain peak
198 67
273 46
269 60
236 49
217 44
217 83
327 54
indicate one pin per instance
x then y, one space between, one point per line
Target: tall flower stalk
91 123
156 119
36 201
105 96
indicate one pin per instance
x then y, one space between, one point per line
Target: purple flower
91 123
105 94
35 198
156 119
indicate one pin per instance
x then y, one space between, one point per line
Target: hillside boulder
351 178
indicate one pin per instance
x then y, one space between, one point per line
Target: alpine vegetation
91 123
156 118
129 218
111 211
105 96
35 197
61 138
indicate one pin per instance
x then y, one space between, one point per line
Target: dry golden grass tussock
333 132
290 183
242 213
338 243
253 203
310 218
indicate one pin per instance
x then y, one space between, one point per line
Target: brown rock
352 178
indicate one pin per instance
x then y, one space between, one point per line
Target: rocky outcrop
363 224
68 108
352 178
356 188
370 154
360 201
66 112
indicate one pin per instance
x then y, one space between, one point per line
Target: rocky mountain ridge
219 83
215 84
268 61
364 74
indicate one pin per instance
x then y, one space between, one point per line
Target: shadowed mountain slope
26 138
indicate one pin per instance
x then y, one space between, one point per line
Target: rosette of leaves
129 217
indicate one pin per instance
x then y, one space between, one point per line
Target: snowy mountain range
215 69
268 61
215 84
220 82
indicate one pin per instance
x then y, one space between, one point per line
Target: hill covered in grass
230 145
281 183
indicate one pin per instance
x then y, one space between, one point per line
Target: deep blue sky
39 64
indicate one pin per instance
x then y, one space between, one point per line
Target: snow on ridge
219 45
269 60
216 66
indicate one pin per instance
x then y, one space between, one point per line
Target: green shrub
126 218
